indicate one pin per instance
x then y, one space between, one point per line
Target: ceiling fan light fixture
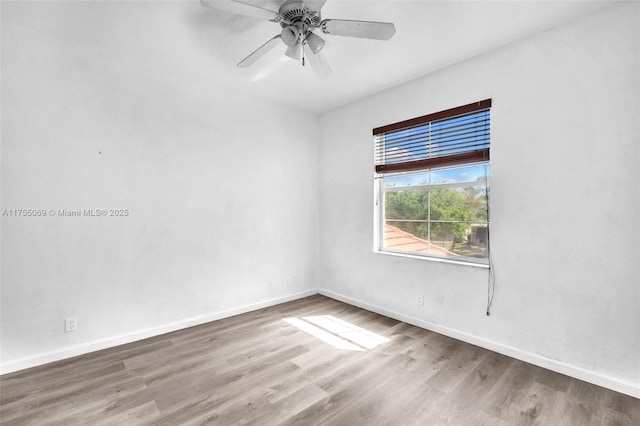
294 52
290 35
316 43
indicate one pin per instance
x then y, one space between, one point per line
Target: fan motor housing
293 11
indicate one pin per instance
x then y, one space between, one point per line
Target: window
432 185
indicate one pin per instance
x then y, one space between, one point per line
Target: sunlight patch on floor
338 333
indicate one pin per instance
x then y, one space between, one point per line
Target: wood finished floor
258 369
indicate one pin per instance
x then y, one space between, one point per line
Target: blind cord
491 287
491 278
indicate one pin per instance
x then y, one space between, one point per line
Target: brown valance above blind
454 136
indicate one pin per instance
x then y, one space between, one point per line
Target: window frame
430 165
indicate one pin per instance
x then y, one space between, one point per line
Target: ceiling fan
299 19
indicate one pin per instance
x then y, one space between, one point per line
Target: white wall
564 206
216 211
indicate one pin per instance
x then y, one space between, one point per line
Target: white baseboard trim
613 383
110 342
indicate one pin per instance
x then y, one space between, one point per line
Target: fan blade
241 8
314 5
362 29
259 52
318 62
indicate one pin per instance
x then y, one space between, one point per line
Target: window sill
433 259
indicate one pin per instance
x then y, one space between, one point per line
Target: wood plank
538 407
508 396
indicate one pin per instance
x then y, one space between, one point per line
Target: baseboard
613 383
110 342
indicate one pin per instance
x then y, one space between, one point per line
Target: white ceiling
200 46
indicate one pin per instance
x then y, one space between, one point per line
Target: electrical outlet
70 324
270 285
420 300
289 282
